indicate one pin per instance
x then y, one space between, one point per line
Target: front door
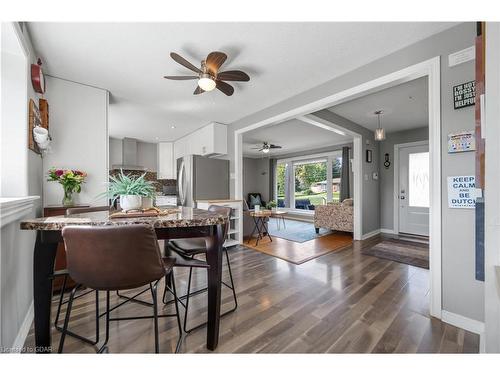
413 190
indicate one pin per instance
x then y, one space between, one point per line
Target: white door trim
396 178
428 68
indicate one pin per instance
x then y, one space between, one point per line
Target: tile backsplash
161 185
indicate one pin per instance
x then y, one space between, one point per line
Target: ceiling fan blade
233 75
198 91
181 60
181 78
226 88
274 146
214 61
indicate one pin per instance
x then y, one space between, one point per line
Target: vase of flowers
71 181
131 190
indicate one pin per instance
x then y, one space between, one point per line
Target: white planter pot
130 202
147 203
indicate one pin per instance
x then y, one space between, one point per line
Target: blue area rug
297 231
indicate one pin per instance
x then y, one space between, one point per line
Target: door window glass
418 179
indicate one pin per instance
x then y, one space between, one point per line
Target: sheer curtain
344 180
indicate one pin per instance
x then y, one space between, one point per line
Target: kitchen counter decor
150 212
135 192
71 181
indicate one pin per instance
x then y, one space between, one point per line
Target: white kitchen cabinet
166 168
210 140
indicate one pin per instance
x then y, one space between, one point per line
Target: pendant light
379 132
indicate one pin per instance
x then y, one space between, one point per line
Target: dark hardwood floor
341 302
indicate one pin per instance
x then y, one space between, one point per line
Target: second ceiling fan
208 74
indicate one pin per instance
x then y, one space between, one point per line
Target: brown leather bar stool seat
117 258
187 249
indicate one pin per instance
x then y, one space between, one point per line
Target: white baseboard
463 322
370 234
18 344
387 231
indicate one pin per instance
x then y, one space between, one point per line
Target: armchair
335 216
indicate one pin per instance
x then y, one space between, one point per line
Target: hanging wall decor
369 156
35 120
462 141
387 162
464 95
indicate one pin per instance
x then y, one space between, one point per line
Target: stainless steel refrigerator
199 178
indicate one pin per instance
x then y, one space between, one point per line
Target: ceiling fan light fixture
265 150
206 82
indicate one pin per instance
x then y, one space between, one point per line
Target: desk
187 223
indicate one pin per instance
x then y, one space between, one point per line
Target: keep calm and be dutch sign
462 192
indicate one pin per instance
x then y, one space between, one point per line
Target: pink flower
59 172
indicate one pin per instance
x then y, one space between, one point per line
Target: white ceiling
405 107
293 136
282 59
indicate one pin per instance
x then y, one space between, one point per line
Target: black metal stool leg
66 319
59 305
155 316
233 289
177 313
103 346
187 298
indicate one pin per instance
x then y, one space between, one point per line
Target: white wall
14 153
492 197
79 130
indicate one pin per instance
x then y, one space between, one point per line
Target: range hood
129 156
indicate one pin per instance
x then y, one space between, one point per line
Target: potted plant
132 191
71 181
271 205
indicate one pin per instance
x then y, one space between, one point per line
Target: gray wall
256 177
462 294
386 176
146 154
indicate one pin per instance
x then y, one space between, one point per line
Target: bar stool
117 258
64 273
188 249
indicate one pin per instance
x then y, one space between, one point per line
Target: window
306 182
336 176
281 184
310 184
418 179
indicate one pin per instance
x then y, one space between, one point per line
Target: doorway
412 197
429 68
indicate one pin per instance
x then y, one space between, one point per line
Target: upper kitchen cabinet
211 140
166 168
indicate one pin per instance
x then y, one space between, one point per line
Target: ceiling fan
266 147
208 74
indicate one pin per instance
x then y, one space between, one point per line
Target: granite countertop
187 217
